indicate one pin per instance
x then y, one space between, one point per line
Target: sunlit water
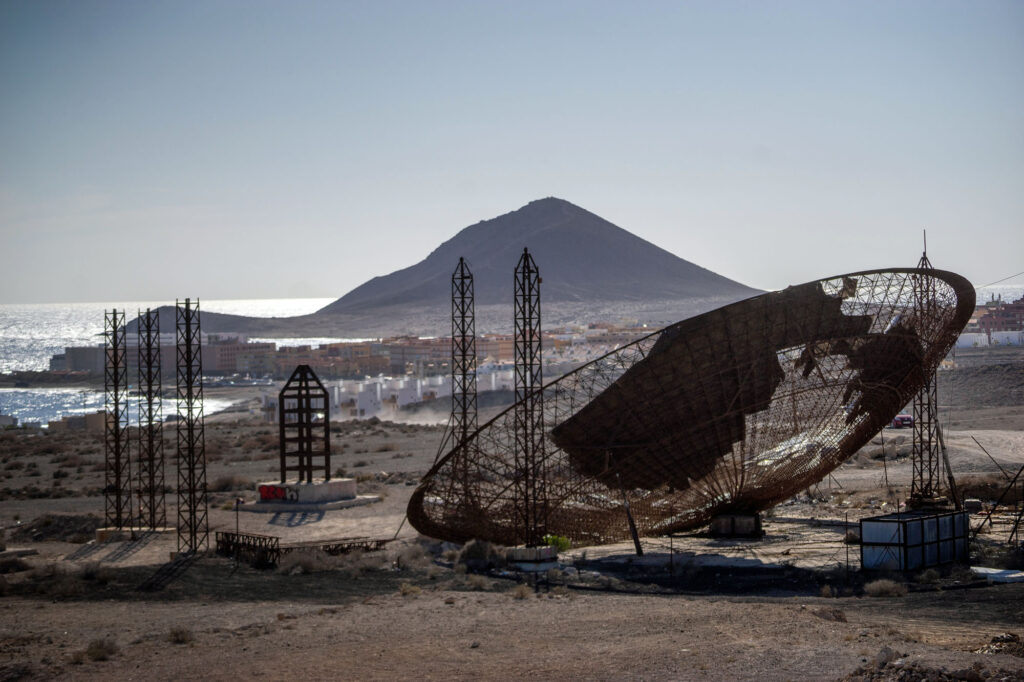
31 333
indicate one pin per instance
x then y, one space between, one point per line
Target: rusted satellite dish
732 411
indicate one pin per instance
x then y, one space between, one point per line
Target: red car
902 420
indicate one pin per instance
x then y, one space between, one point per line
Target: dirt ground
789 606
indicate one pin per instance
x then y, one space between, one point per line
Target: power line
1001 280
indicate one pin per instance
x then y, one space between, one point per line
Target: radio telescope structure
729 412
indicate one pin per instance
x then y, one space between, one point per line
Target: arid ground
790 606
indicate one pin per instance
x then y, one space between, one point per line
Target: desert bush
359 463
480 555
305 561
835 615
180 635
928 577
559 542
409 590
101 649
477 582
340 472
885 588
412 556
450 555
95 571
520 591
230 482
387 447
852 537
827 592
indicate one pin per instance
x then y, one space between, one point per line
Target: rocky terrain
789 606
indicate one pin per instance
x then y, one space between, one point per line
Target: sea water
31 333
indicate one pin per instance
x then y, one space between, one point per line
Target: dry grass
101 649
477 582
180 635
885 588
409 590
521 591
305 561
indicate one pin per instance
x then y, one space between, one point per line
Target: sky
248 149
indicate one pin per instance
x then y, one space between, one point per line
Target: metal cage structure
732 411
150 452
193 522
118 478
305 427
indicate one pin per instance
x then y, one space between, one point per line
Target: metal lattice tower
193 527
304 418
463 419
117 488
530 479
463 354
926 486
150 457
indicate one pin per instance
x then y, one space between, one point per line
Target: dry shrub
835 615
412 556
305 561
477 582
357 563
180 635
827 592
520 591
409 590
481 555
885 588
96 572
928 577
852 537
230 482
101 649
561 591
450 555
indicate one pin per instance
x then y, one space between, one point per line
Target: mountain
581 257
591 270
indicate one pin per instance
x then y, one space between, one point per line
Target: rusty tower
193 525
926 486
530 470
150 451
117 487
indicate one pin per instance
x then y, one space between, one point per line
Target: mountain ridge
581 256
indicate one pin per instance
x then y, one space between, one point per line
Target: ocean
31 333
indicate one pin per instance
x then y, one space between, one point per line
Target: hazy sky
153 150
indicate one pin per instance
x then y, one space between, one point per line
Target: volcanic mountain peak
581 256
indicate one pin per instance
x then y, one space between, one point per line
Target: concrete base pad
275 507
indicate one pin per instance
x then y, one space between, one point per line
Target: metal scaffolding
729 412
150 452
530 479
118 479
926 486
463 419
304 417
193 528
